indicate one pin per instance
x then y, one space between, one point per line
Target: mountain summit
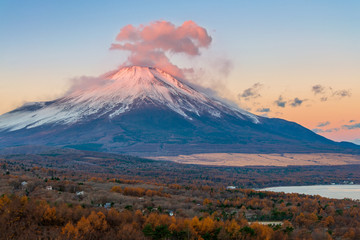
120 92
146 111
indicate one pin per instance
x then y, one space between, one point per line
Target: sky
296 60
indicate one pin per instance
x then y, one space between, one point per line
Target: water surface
329 191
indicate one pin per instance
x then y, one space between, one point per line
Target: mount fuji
146 111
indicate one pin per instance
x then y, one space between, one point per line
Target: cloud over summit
149 44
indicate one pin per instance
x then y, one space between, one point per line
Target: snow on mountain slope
121 92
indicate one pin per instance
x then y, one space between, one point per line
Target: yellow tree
49 216
262 232
70 231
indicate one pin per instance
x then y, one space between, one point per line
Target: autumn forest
72 194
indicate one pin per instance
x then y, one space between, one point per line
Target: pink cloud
149 44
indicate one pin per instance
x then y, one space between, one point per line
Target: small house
80 193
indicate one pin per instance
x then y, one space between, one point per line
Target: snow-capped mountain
119 93
147 111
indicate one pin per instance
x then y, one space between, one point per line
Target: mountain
146 111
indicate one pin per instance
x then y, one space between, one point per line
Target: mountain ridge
146 111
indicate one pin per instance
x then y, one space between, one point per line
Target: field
280 160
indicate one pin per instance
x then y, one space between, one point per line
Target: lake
329 191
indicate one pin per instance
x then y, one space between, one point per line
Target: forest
87 195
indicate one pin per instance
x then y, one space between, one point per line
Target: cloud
280 102
318 89
327 93
297 102
323 99
351 121
352 126
323 124
263 110
149 44
223 66
251 93
85 83
342 93
318 130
